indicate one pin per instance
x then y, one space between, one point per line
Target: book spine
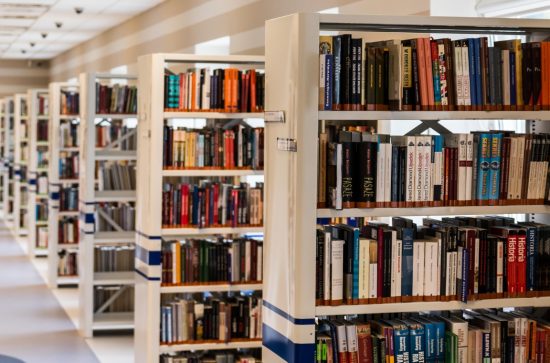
494 171
435 72
478 73
472 71
407 262
443 76
466 76
483 167
337 49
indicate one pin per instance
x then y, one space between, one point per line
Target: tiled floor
38 324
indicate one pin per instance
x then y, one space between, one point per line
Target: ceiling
23 24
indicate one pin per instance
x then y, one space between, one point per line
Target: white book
448 273
462 162
373 269
500 266
387 169
206 90
466 76
452 280
396 248
419 169
364 261
380 171
431 288
469 165
458 76
411 162
351 337
337 270
327 266
418 268
426 169
505 62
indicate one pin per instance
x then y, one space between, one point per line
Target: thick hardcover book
367 154
415 75
407 262
437 171
473 73
347 74
348 168
484 164
449 51
485 81
513 81
536 58
495 166
435 73
478 73
356 46
380 71
370 77
527 75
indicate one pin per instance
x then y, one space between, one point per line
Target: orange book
235 89
422 80
226 93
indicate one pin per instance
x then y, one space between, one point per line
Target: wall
17 76
178 26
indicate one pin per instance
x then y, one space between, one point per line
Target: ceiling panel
23 22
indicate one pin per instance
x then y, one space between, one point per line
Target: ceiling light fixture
79 10
58 24
23 51
32 44
44 35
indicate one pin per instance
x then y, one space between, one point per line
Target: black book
370 77
366 179
527 75
348 169
537 77
346 74
379 79
415 76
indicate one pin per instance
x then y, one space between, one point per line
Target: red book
364 343
422 76
512 243
185 204
521 262
216 196
235 197
252 90
446 173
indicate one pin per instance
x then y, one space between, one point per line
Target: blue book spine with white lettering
417 343
430 342
406 261
464 285
494 171
337 51
532 247
513 80
472 68
355 284
483 166
477 49
329 77
440 341
401 344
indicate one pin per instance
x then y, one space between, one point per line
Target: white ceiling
23 22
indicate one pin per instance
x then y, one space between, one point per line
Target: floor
38 324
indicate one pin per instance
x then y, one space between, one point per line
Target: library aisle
33 325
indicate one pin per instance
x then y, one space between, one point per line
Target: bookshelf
292 53
94 315
152 236
21 160
38 162
7 160
63 147
2 152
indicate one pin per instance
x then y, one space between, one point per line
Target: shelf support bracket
429 124
109 220
111 300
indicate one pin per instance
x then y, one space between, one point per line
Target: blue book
407 262
417 344
435 73
483 166
401 346
329 77
195 210
477 55
337 50
472 68
494 171
355 284
439 339
394 173
429 339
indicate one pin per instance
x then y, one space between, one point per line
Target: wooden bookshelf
292 54
7 160
89 198
21 130
34 171
55 214
152 176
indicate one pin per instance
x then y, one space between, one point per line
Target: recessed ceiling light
23 51
32 44
58 24
44 35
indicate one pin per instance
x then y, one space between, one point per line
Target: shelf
68 117
40 252
114 237
41 196
24 140
431 306
42 170
208 288
113 321
115 115
114 278
41 223
213 115
42 143
115 196
210 172
67 246
67 280
68 214
42 117
164 349
105 154
69 149
432 211
209 231
23 232
68 181
434 115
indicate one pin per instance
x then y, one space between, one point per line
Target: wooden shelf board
113 321
69 149
114 278
115 195
432 211
209 346
431 306
213 115
210 172
114 237
207 288
105 154
434 115
209 231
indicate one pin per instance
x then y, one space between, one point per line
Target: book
116 99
